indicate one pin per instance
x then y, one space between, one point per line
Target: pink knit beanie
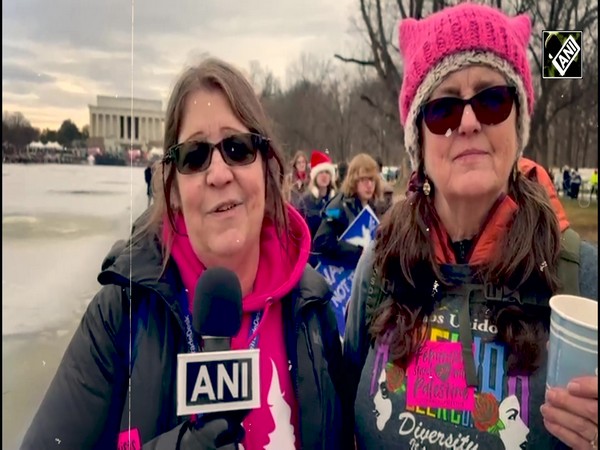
452 39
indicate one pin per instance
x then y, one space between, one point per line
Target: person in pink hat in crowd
320 190
448 320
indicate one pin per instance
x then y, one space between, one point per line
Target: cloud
10 52
17 72
58 56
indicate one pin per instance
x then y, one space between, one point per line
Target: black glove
217 431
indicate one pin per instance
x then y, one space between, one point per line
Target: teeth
226 208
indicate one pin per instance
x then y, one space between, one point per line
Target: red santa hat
320 162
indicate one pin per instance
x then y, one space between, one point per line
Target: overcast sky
57 56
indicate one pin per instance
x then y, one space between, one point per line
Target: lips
225 206
471 152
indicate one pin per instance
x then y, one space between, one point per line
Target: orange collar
484 244
535 172
498 221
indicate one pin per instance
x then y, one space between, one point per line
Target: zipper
317 381
308 343
175 308
300 327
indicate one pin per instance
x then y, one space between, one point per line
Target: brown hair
404 252
299 154
362 165
292 176
213 75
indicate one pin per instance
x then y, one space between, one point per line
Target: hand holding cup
571 409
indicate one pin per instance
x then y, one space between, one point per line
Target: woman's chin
475 187
228 243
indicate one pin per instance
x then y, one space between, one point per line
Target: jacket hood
139 264
534 171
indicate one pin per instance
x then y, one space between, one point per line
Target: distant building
113 123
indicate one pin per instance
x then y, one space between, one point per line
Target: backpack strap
568 262
568 272
375 295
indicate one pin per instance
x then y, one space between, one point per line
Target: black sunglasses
236 150
491 107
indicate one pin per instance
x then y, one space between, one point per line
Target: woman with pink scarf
217 203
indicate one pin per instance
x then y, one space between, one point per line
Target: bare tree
557 95
17 131
378 19
265 83
312 113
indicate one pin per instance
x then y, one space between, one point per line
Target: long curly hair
404 254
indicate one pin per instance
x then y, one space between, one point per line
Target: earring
515 172
426 187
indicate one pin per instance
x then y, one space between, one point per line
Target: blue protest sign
360 232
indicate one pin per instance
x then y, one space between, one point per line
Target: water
58 223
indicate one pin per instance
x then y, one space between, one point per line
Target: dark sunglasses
236 150
491 107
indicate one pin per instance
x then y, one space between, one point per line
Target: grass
583 220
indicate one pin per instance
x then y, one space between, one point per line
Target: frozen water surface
58 221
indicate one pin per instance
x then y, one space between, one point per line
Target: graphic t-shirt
428 405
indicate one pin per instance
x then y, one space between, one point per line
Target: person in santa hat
320 189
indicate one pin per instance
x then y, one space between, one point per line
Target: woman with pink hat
445 340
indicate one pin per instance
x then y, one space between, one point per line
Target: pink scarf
275 424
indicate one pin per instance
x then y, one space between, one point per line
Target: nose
468 122
219 172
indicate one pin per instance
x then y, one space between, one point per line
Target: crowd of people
329 201
447 324
572 183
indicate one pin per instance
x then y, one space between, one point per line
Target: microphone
218 379
217 315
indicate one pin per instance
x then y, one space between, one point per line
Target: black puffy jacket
336 216
86 405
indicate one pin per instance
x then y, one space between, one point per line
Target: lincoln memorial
115 122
